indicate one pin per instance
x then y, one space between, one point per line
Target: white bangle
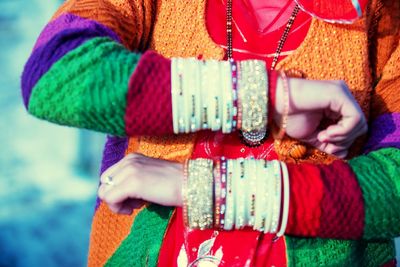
269 192
277 196
260 199
240 194
251 176
230 206
227 96
286 199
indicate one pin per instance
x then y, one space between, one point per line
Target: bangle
253 84
251 173
240 194
234 73
217 193
223 192
260 199
277 196
286 90
200 194
286 199
269 192
230 208
184 194
227 97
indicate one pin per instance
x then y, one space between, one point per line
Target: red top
257 28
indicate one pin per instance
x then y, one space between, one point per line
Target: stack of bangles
220 95
233 194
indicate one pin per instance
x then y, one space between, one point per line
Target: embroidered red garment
258 28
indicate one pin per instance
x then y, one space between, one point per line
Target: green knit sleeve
378 174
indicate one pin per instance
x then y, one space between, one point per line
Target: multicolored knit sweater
90 69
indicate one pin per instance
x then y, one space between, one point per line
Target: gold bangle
253 104
200 194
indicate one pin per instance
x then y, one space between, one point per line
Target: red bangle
235 93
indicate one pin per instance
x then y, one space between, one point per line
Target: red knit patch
306 194
342 205
149 104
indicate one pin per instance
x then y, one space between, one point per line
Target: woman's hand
310 102
135 179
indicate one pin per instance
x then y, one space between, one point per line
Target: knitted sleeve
361 198
86 67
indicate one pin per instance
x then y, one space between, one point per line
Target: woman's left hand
137 179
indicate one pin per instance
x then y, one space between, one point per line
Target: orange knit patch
116 15
108 231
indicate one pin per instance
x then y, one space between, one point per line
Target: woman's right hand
310 102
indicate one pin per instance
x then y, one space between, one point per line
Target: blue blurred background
49 173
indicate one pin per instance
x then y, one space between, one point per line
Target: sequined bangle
217 193
200 194
285 113
285 200
253 104
185 194
230 201
223 192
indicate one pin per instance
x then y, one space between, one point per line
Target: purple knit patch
385 132
57 39
114 151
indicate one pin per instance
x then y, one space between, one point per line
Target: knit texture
53 45
378 174
114 151
180 31
385 132
149 108
92 93
142 246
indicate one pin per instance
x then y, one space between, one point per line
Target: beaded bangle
286 199
200 194
223 192
230 202
217 193
286 90
234 73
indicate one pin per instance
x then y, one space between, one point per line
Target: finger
121 192
341 154
110 172
333 148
